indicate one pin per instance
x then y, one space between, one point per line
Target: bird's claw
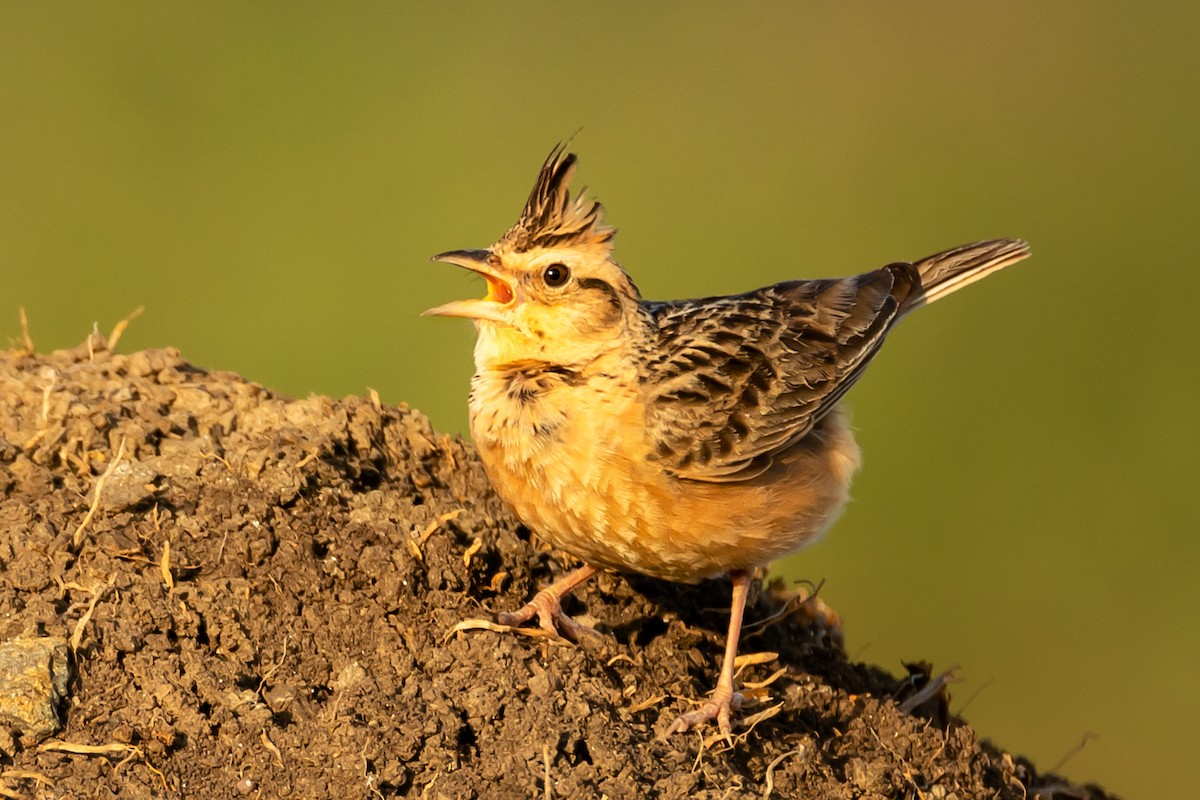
550 616
723 703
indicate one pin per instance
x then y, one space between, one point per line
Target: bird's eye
556 275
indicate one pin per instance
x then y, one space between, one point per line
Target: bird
684 440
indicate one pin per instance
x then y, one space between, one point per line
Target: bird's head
554 292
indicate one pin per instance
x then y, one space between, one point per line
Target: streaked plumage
681 439
737 379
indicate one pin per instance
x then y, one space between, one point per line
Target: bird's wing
734 380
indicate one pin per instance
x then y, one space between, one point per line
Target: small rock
131 483
279 697
542 683
8 743
33 682
350 676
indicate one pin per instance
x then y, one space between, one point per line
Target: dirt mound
258 594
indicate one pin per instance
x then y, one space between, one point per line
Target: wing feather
737 379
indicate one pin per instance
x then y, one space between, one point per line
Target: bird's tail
948 271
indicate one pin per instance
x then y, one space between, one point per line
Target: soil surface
258 594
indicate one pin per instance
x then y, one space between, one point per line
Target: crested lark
684 439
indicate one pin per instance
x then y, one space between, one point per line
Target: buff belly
579 475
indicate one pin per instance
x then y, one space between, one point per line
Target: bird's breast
570 453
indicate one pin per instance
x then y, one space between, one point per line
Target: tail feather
948 271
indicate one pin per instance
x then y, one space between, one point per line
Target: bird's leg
546 607
724 699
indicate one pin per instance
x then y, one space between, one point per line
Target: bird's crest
552 218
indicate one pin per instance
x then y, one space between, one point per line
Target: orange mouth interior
498 291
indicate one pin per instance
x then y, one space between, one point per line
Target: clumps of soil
259 593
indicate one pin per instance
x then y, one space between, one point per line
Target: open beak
499 290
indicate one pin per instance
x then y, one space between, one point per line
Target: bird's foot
551 618
724 700
547 607
719 707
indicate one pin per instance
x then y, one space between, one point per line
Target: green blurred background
270 180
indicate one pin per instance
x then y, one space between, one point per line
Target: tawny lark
684 439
